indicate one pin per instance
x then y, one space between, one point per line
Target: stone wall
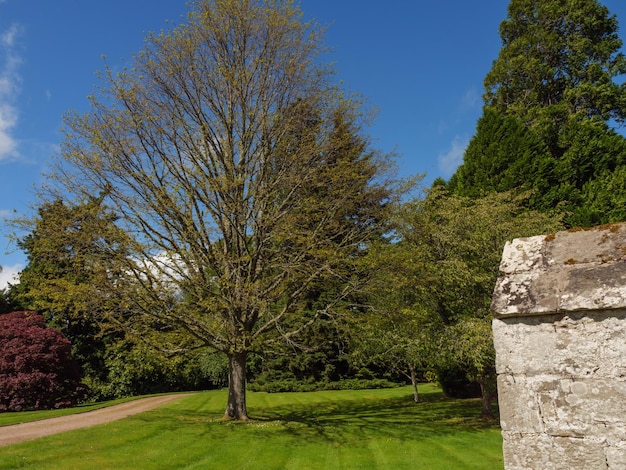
560 339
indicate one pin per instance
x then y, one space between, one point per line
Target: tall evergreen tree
73 256
552 97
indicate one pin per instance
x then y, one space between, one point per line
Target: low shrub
136 368
36 368
455 384
293 385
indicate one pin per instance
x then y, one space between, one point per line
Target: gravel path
28 431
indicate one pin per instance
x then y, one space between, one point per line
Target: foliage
435 282
318 354
470 348
604 198
36 368
73 252
8 303
394 337
451 247
134 367
551 98
365 429
75 278
242 170
559 60
498 158
274 383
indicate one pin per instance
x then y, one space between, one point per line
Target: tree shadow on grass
396 418
341 421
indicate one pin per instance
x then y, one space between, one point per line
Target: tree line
220 218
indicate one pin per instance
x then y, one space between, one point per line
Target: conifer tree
552 98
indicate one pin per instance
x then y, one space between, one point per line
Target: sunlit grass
362 429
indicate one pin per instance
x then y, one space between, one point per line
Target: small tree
398 329
441 273
470 346
395 340
36 369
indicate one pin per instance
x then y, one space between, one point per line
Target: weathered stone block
574 345
616 456
592 408
560 338
519 407
539 452
565 272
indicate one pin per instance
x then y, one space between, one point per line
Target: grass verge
19 417
361 429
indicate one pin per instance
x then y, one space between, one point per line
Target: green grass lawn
364 429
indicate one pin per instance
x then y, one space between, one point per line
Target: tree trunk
416 397
236 408
487 412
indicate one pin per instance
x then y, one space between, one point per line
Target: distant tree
399 341
36 368
605 198
75 278
5 306
551 98
134 366
8 302
469 347
241 169
4 299
500 157
73 263
558 62
315 359
439 277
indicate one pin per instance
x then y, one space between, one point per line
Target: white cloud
450 161
9 274
9 87
8 120
471 100
9 37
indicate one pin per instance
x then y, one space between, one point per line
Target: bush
36 369
134 367
292 385
455 384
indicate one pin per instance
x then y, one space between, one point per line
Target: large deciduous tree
240 169
553 97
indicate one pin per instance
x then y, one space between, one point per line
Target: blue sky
421 63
